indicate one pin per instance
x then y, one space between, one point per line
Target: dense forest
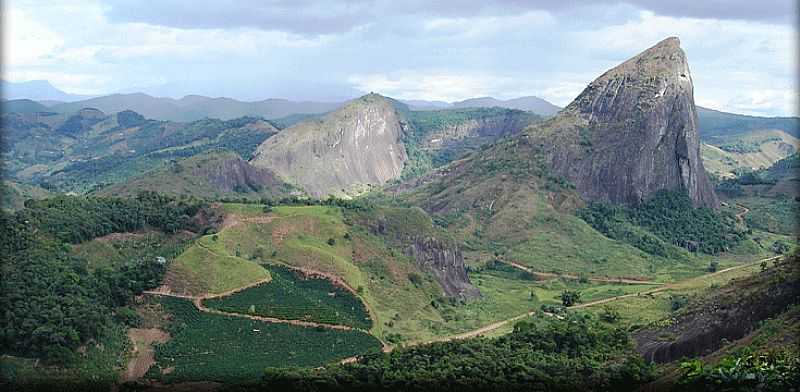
668 218
543 354
51 302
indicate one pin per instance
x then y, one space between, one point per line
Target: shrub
569 297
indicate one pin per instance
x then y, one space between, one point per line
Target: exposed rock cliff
347 150
413 231
446 264
726 314
631 132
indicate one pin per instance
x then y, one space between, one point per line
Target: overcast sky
742 53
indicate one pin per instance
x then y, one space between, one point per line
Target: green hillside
715 123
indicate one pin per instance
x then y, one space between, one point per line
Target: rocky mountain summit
344 152
631 132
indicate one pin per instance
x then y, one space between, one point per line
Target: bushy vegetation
425 123
52 302
785 168
210 347
741 146
774 371
578 353
714 123
152 144
76 219
775 215
290 296
668 218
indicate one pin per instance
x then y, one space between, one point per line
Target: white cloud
410 52
26 41
438 86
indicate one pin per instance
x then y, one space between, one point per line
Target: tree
780 247
569 298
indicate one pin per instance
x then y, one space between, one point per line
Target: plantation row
292 297
223 348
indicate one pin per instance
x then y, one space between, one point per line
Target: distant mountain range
530 104
37 90
31 96
40 95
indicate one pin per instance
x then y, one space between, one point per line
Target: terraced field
213 347
291 296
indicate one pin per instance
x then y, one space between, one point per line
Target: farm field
291 296
212 347
300 237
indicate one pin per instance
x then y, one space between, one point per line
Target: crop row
293 297
213 347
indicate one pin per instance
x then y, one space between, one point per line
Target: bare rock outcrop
446 264
631 132
343 153
728 314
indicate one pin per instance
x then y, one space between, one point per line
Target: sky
742 53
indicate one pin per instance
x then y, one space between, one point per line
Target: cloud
413 49
319 17
32 41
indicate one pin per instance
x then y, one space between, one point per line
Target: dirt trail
197 300
232 220
740 216
575 277
496 325
143 351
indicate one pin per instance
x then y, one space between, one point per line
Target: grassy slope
204 267
14 194
773 145
298 236
190 176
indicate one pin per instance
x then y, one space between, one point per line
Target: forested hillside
53 302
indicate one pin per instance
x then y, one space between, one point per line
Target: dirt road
143 351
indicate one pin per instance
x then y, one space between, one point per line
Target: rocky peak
343 153
631 132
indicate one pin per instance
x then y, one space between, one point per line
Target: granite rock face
343 153
233 174
446 264
441 259
631 132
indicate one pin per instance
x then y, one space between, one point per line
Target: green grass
298 236
111 253
656 307
774 215
211 347
290 296
204 269
564 243
246 209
